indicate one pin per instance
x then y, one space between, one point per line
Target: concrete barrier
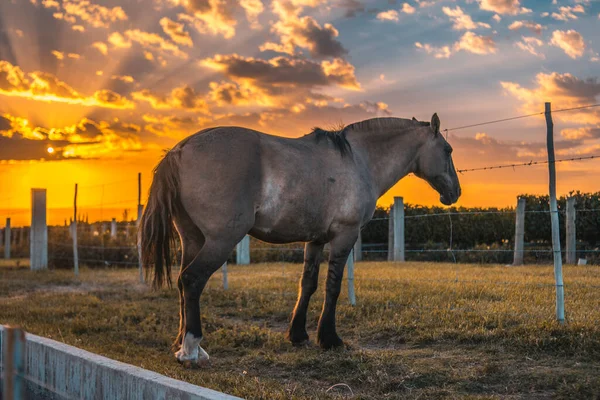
54 370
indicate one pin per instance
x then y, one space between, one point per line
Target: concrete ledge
58 371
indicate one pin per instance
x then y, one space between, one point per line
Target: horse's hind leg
193 280
308 285
192 241
341 246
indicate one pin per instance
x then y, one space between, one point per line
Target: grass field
415 333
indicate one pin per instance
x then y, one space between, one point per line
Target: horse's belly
286 230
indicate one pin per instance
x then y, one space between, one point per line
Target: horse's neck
390 155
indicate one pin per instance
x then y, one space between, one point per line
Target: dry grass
415 333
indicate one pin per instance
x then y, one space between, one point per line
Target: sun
50 150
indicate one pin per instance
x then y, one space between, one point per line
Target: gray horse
222 183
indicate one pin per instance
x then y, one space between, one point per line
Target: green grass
415 332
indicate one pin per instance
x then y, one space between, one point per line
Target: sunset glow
92 92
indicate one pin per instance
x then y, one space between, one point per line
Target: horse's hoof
331 342
303 343
197 358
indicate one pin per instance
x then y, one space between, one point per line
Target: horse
222 183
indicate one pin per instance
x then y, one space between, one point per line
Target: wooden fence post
74 235
7 240
358 247
13 356
113 228
519 232
350 277
571 232
398 229
38 242
391 234
242 251
225 280
558 275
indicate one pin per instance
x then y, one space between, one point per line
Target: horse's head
434 164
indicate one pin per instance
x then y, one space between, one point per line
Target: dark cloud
286 71
4 124
19 148
586 89
323 40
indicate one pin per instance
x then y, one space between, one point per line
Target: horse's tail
156 227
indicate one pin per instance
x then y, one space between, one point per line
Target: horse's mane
337 136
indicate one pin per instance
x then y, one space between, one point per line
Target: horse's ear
414 119
435 123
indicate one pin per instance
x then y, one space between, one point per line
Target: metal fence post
398 229
358 248
519 232
558 275
242 253
225 280
350 277
113 228
571 242
38 242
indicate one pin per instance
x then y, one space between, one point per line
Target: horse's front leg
341 246
308 285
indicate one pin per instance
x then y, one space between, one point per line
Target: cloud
530 44
85 11
176 32
182 98
571 42
566 13
58 54
408 9
532 26
438 52
123 78
389 15
292 122
214 17
101 47
253 9
174 126
469 42
508 7
22 140
303 32
476 44
580 133
425 3
461 20
285 71
565 91
148 41
43 86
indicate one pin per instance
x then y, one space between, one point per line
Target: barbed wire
94 260
527 164
70 245
520 117
511 211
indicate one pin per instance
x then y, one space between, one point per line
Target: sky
93 91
